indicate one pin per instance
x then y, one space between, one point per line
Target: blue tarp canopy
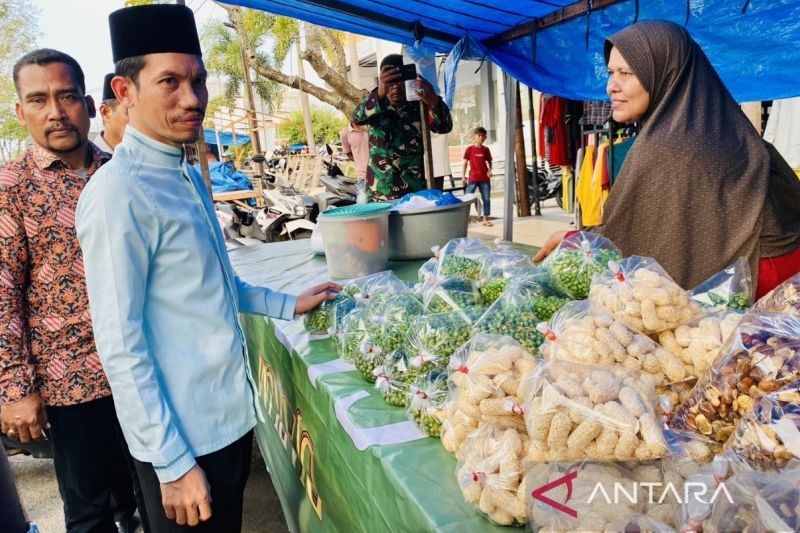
754 45
225 138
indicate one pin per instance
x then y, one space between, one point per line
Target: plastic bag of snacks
516 314
449 294
361 292
753 502
699 343
492 289
490 474
761 356
504 262
432 339
391 318
427 270
393 379
769 437
730 289
427 395
641 294
575 411
590 490
579 257
463 258
586 333
486 378
320 320
785 298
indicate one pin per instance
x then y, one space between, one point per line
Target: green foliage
223 54
17 19
327 125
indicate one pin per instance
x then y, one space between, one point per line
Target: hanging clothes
590 192
551 118
783 130
595 112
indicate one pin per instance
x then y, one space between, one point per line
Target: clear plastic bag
485 381
761 356
391 319
361 292
769 437
699 343
576 260
785 298
575 411
491 474
504 262
432 339
641 294
445 295
603 497
730 289
754 502
521 307
463 258
492 289
393 379
427 270
427 396
586 333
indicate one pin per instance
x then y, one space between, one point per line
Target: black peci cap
108 93
153 29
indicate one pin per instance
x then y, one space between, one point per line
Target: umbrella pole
427 156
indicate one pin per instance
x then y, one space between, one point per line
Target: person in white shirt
115 118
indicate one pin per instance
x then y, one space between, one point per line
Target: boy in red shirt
479 159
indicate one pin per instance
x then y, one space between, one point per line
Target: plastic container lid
357 210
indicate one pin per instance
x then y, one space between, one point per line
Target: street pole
523 205
537 206
258 157
306 107
427 153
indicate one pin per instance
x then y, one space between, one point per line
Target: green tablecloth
331 444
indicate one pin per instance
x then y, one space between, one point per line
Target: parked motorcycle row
291 214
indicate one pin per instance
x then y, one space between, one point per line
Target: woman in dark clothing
699 188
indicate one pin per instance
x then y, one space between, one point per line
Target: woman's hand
552 243
315 296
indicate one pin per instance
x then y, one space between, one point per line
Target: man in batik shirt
51 378
395 135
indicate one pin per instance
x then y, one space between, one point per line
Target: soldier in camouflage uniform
395 138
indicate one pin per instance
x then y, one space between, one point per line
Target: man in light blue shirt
164 298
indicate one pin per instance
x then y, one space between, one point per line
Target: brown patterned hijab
699 188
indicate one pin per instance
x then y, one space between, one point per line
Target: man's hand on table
187 500
315 296
25 419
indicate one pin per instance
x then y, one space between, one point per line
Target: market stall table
340 458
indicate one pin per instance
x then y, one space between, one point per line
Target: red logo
538 494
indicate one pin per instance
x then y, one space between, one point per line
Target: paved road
37 486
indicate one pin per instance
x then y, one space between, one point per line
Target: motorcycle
549 185
339 189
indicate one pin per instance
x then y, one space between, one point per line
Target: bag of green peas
579 257
390 319
445 295
427 396
517 312
394 377
732 288
432 339
463 258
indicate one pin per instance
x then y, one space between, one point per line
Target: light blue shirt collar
154 152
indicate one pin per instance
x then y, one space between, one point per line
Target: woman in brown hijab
699 188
